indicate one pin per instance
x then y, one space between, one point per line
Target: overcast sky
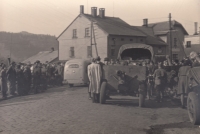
53 16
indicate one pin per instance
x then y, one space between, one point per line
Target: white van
75 72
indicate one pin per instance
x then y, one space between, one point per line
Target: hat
98 58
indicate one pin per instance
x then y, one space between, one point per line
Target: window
175 56
188 44
131 39
74 33
112 52
87 32
113 39
175 42
122 39
89 51
74 66
72 52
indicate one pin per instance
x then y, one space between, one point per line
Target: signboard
175 49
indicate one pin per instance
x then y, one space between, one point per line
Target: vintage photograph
99 66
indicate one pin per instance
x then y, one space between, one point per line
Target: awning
135 45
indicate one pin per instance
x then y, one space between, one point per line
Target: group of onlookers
21 79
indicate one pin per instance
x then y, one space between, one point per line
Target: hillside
24 45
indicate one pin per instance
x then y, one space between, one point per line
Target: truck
127 79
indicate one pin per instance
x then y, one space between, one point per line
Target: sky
53 16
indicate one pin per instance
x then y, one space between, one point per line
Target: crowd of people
160 78
22 79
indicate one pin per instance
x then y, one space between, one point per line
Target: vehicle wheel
103 93
193 108
71 85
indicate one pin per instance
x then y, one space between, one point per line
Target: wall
178 48
195 39
81 42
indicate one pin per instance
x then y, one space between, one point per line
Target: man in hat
36 76
160 77
3 78
95 77
11 77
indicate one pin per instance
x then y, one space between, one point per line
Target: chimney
145 22
102 12
195 28
94 11
81 9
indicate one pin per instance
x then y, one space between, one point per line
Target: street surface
64 110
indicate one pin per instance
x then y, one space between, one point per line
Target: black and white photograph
99 66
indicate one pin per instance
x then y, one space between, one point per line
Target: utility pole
11 47
170 38
95 41
93 36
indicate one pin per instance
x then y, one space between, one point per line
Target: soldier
160 77
27 79
36 76
11 77
3 79
19 80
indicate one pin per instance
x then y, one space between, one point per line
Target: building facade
90 35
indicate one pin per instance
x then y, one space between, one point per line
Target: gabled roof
114 26
163 27
151 38
111 25
43 57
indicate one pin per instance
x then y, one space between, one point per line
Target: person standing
27 79
36 76
95 77
3 79
44 77
11 77
19 80
160 77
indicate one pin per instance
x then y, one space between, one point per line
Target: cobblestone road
68 111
